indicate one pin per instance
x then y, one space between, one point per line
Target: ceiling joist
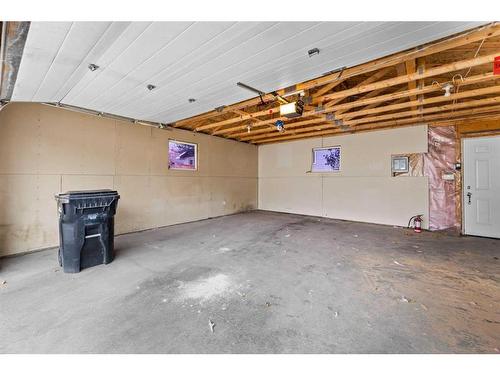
385 125
374 120
453 67
387 98
399 90
330 81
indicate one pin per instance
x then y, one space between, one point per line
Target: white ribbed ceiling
201 60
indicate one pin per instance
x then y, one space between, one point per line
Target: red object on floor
417 222
496 66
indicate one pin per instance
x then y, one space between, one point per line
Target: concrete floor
271 283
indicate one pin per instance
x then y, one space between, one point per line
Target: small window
400 164
182 155
326 159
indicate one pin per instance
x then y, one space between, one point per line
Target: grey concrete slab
270 282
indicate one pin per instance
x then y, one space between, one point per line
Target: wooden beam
365 88
242 113
378 126
394 105
363 129
480 78
257 122
478 34
369 95
384 98
420 82
328 87
411 113
487 117
372 78
373 119
479 126
433 100
223 110
459 65
244 136
411 68
377 104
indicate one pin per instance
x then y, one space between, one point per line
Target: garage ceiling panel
188 64
77 44
201 60
136 80
42 46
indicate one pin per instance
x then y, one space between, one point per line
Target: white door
481 200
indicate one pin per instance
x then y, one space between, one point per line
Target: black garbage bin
86 228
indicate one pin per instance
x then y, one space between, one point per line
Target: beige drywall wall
363 190
45 150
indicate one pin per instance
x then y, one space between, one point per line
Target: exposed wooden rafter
387 90
398 95
385 125
411 113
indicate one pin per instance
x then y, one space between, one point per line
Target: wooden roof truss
403 89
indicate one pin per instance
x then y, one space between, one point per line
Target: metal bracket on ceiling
330 116
307 99
279 98
107 115
262 100
290 89
250 88
262 93
341 70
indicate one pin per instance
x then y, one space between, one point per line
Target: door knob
469 195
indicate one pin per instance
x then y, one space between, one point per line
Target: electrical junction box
448 176
400 164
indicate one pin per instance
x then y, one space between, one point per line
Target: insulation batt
440 160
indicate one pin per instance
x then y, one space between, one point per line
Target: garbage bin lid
80 194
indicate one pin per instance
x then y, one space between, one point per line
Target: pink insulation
438 162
